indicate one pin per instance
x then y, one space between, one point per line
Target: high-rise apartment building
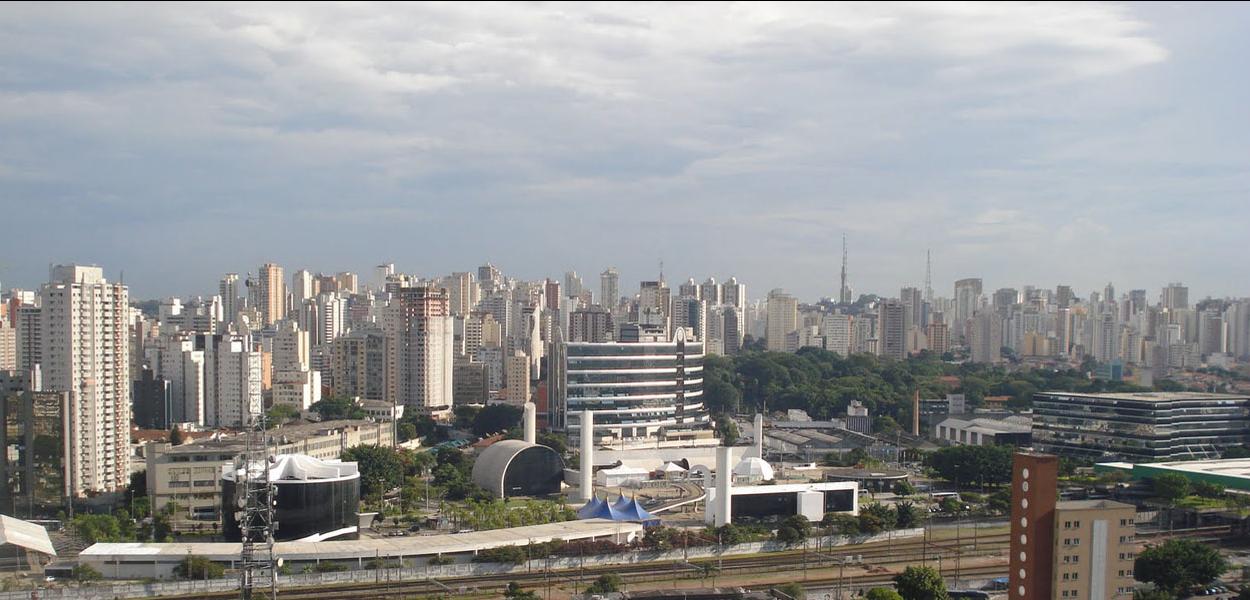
228 289
938 335
86 352
591 324
733 329
421 335
836 330
783 318
1175 296
358 364
891 330
271 294
985 338
734 293
8 345
28 345
609 288
517 378
302 287
291 347
967 302
711 293
460 293
690 313
572 284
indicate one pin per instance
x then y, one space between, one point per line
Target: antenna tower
255 496
844 293
928 279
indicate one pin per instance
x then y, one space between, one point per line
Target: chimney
528 424
588 451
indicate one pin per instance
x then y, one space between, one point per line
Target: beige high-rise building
8 346
420 343
610 288
271 297
1094 550
460 289
358 366
302 287
85 350
290 348
228 289
517 378
783 318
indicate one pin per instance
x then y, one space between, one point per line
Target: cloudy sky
1026 144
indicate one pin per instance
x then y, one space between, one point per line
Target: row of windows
1075 560
1072 576
1071 541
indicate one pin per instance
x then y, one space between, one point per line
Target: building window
1067 524
1076 560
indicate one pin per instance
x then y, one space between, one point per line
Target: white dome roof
754 467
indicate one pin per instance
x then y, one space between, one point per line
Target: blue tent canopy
624 509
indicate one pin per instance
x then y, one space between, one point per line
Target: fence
439 572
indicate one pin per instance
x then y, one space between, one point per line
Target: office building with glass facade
1139 426
646 389
36 444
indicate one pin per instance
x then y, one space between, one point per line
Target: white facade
836 331
783 317
86 352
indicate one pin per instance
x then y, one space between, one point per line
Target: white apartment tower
86 352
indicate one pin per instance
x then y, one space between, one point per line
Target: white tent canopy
26 535
671 467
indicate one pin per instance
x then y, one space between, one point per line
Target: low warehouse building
517 468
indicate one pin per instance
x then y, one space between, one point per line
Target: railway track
878 554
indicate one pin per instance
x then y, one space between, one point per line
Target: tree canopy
972 465
1171 487
496 418
338 407
1178 565
882 593
920 583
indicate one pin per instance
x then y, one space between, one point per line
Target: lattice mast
255 496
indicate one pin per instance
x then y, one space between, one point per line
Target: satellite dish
281 562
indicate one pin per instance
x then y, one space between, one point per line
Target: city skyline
179 143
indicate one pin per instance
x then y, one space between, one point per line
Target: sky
1024 143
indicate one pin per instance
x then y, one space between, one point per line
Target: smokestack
915 413
724 486
588 451
529 425
759 436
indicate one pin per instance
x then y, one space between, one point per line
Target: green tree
281 414
338 407
972 465
906 515
381 468
85 572
198 567
1144 594
515 592
842 524
903 487
727 430
1207 489
1237 452
496 418
920 583
792 590
1175 566
1171 487
607 583
882 593
794 529
175 436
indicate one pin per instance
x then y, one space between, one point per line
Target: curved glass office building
650 388
1143 426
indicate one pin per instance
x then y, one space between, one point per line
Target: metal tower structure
255 497
928 278
844 293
